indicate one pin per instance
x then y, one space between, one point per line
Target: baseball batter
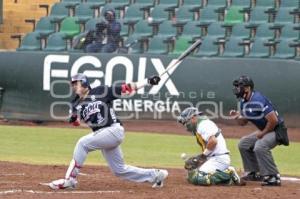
212 167
94 107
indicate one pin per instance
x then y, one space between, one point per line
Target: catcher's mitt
194 162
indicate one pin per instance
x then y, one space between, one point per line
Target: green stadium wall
27 78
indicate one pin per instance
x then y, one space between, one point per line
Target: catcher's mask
82 78
186 115
240 84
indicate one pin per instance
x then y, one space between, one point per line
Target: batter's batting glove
153 80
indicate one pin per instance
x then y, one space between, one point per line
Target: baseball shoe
160 177
252 176
63 184
235 177
271 180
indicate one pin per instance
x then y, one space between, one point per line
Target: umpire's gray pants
256 153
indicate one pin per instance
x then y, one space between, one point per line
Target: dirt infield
22 181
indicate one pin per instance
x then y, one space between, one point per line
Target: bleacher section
227 28
15 12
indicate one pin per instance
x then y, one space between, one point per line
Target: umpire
255 149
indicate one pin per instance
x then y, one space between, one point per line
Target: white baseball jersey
207 128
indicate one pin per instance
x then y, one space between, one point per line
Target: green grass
41 145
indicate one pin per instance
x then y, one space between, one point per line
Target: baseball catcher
94 107
212 166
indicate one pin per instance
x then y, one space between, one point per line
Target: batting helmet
82 78
187 114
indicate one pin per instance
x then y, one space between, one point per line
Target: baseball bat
186 53
182 56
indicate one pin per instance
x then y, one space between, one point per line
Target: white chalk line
292 179
12 174
13 191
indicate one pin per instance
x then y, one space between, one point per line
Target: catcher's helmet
187 114
82 78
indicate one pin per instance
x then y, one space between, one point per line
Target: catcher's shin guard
73 170
197 177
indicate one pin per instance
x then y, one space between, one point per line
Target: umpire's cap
187 114
82 78
243 81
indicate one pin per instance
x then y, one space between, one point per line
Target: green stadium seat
208 48
96 4
145 4
233 48
208 16
283 16
59 11
244 4
133 45
217 5
70 27
193 5
44 27
159 14
239 31
142 30
183 15
71 3
167 30
56 42
133 14
258 16
234 15
291 4
264 31
192 30
169 4
157 45
290 31
30 42
91 23
84 12
124 29
216 30
118 4
259 49
285 50
266 4
181 44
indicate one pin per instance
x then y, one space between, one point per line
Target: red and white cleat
63 184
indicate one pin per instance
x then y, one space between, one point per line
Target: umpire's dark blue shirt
256 109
